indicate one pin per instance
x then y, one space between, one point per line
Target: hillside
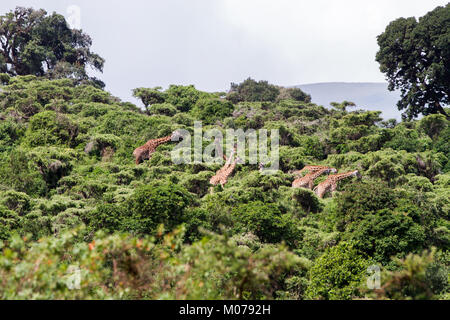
73 198
366 95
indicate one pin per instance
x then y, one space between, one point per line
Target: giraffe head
356 174
261 166
332 170
176 135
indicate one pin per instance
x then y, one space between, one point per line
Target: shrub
107 217
433 125
10 133
307 200
361 199
165 109
21 174
211 110
266 222
156 204
196 219
251 90
419 277
17 201
407 139
442 145
337 274
292 158
49 128
184 97
9 221
293 93
386 234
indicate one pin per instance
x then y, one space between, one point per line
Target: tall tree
32 42
415 56
251 90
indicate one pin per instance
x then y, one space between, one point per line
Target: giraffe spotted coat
308 180
330 184
145 151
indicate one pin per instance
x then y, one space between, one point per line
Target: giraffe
145 151
308 180
228 171
308 169
221 176
330 184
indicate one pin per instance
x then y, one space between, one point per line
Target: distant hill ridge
366 95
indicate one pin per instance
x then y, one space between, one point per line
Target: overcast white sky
210 43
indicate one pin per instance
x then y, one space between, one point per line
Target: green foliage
414 56
39 44
420 277
306 199
295 94
361 199
266 221
337 274
433 125
49 128
353 126
66 161
155 204
149 96
212 110
251 90
443 145
17 201
408 139
386 234
10 132
165 109
184 97
214 268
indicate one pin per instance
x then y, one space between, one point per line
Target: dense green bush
66 162
184 98
337 274
251 90
407 139
10 132
266 221
306 199
17 201
211 110
156 204
361 199
49 128
214 268
165 109
386 234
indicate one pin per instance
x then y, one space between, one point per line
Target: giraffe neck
316 174
314 168
344 175
160 141
230 169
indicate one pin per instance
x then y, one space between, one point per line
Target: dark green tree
252 90
32 42
337 274
156 204
415 56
